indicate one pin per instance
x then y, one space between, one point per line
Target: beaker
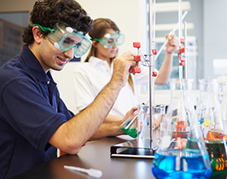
210 117
148 134
158 114
144 138
143 122
174 157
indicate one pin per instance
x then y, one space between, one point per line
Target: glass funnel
182 152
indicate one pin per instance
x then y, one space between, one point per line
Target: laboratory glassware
129 126
209 111
210 117
149 133
222 97
182 152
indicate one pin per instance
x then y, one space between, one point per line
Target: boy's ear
37 34
95 43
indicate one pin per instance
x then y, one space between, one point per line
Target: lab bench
95 154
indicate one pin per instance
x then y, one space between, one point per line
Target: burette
180 35
150 59
151 21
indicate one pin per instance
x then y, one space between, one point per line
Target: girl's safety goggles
65 38
109 39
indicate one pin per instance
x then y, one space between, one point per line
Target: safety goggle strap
44 28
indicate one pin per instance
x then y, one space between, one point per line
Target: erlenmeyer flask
175 158
209 111
211 122
222 98
129 127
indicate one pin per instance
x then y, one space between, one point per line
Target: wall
215 34
16 6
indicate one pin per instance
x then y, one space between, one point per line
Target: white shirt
90 78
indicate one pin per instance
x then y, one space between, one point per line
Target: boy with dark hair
34 121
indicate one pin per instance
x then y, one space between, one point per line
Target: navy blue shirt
30 112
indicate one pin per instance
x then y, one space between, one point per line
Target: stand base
131 149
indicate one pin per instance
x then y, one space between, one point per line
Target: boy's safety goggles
109 39
65 38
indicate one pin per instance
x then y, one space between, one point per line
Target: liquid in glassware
215 136
180 164
131 132
180 130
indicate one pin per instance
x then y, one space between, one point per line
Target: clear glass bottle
182 152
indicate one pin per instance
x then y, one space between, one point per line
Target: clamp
137 58
181 52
